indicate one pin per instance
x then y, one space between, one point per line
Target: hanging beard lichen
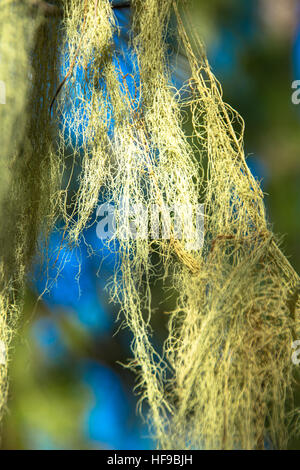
224 379
29 167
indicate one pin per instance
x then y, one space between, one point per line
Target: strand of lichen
14 67
134 164
30 168
230 343
123 164
89 31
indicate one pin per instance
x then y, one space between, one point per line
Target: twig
71 68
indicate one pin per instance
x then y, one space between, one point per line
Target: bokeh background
69 389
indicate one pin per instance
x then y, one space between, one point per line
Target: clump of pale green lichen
29 167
